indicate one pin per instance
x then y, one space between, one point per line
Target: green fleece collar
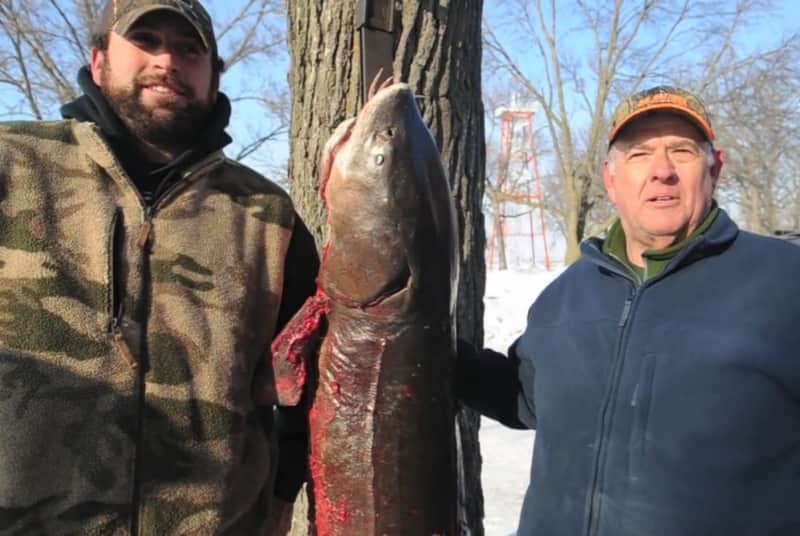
655 260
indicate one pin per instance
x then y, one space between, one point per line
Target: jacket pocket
641 402
116 290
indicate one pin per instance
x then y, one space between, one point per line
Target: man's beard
171 125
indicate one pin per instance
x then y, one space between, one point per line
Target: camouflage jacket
130 339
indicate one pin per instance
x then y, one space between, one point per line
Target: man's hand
488 382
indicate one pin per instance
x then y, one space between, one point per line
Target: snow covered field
507 453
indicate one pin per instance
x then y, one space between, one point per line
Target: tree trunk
752 208
438 52
571 220
323 78
499 246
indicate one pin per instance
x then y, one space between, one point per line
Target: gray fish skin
383 454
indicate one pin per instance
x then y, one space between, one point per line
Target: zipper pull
625 312
122 345
144 232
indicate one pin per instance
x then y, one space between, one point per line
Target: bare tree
579 60
41 51
757 120
43 44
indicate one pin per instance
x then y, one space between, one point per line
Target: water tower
518 211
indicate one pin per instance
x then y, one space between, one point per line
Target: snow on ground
507 453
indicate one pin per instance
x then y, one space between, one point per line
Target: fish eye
379 159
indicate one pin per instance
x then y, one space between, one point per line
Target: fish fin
294 347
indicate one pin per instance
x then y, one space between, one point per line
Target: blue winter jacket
671 408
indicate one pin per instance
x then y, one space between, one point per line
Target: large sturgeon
382 453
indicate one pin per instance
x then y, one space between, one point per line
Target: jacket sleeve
526 374
490 383
291 423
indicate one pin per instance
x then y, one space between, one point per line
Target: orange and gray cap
661 98
120 15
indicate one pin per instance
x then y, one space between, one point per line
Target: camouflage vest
129 340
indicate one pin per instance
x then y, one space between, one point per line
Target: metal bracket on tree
375 25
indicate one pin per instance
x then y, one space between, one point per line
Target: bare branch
632 42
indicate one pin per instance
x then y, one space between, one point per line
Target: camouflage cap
119 15
664 98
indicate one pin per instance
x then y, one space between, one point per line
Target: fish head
389 206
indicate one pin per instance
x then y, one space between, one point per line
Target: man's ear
96 64
716 167
608 181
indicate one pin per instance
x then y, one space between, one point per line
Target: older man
142 278
662 370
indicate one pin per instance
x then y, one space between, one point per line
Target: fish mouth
333 146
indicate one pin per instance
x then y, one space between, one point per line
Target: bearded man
142 277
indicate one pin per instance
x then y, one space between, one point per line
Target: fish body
382 440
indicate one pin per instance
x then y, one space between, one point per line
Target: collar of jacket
655 260
721 232
91 138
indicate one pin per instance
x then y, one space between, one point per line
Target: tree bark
323 78
571 218
498 228
438 52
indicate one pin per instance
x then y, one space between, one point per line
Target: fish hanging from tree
381 418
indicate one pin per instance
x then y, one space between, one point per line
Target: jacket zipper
142 240
146 229
147 225
594 498
593 501
116 312
121 344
